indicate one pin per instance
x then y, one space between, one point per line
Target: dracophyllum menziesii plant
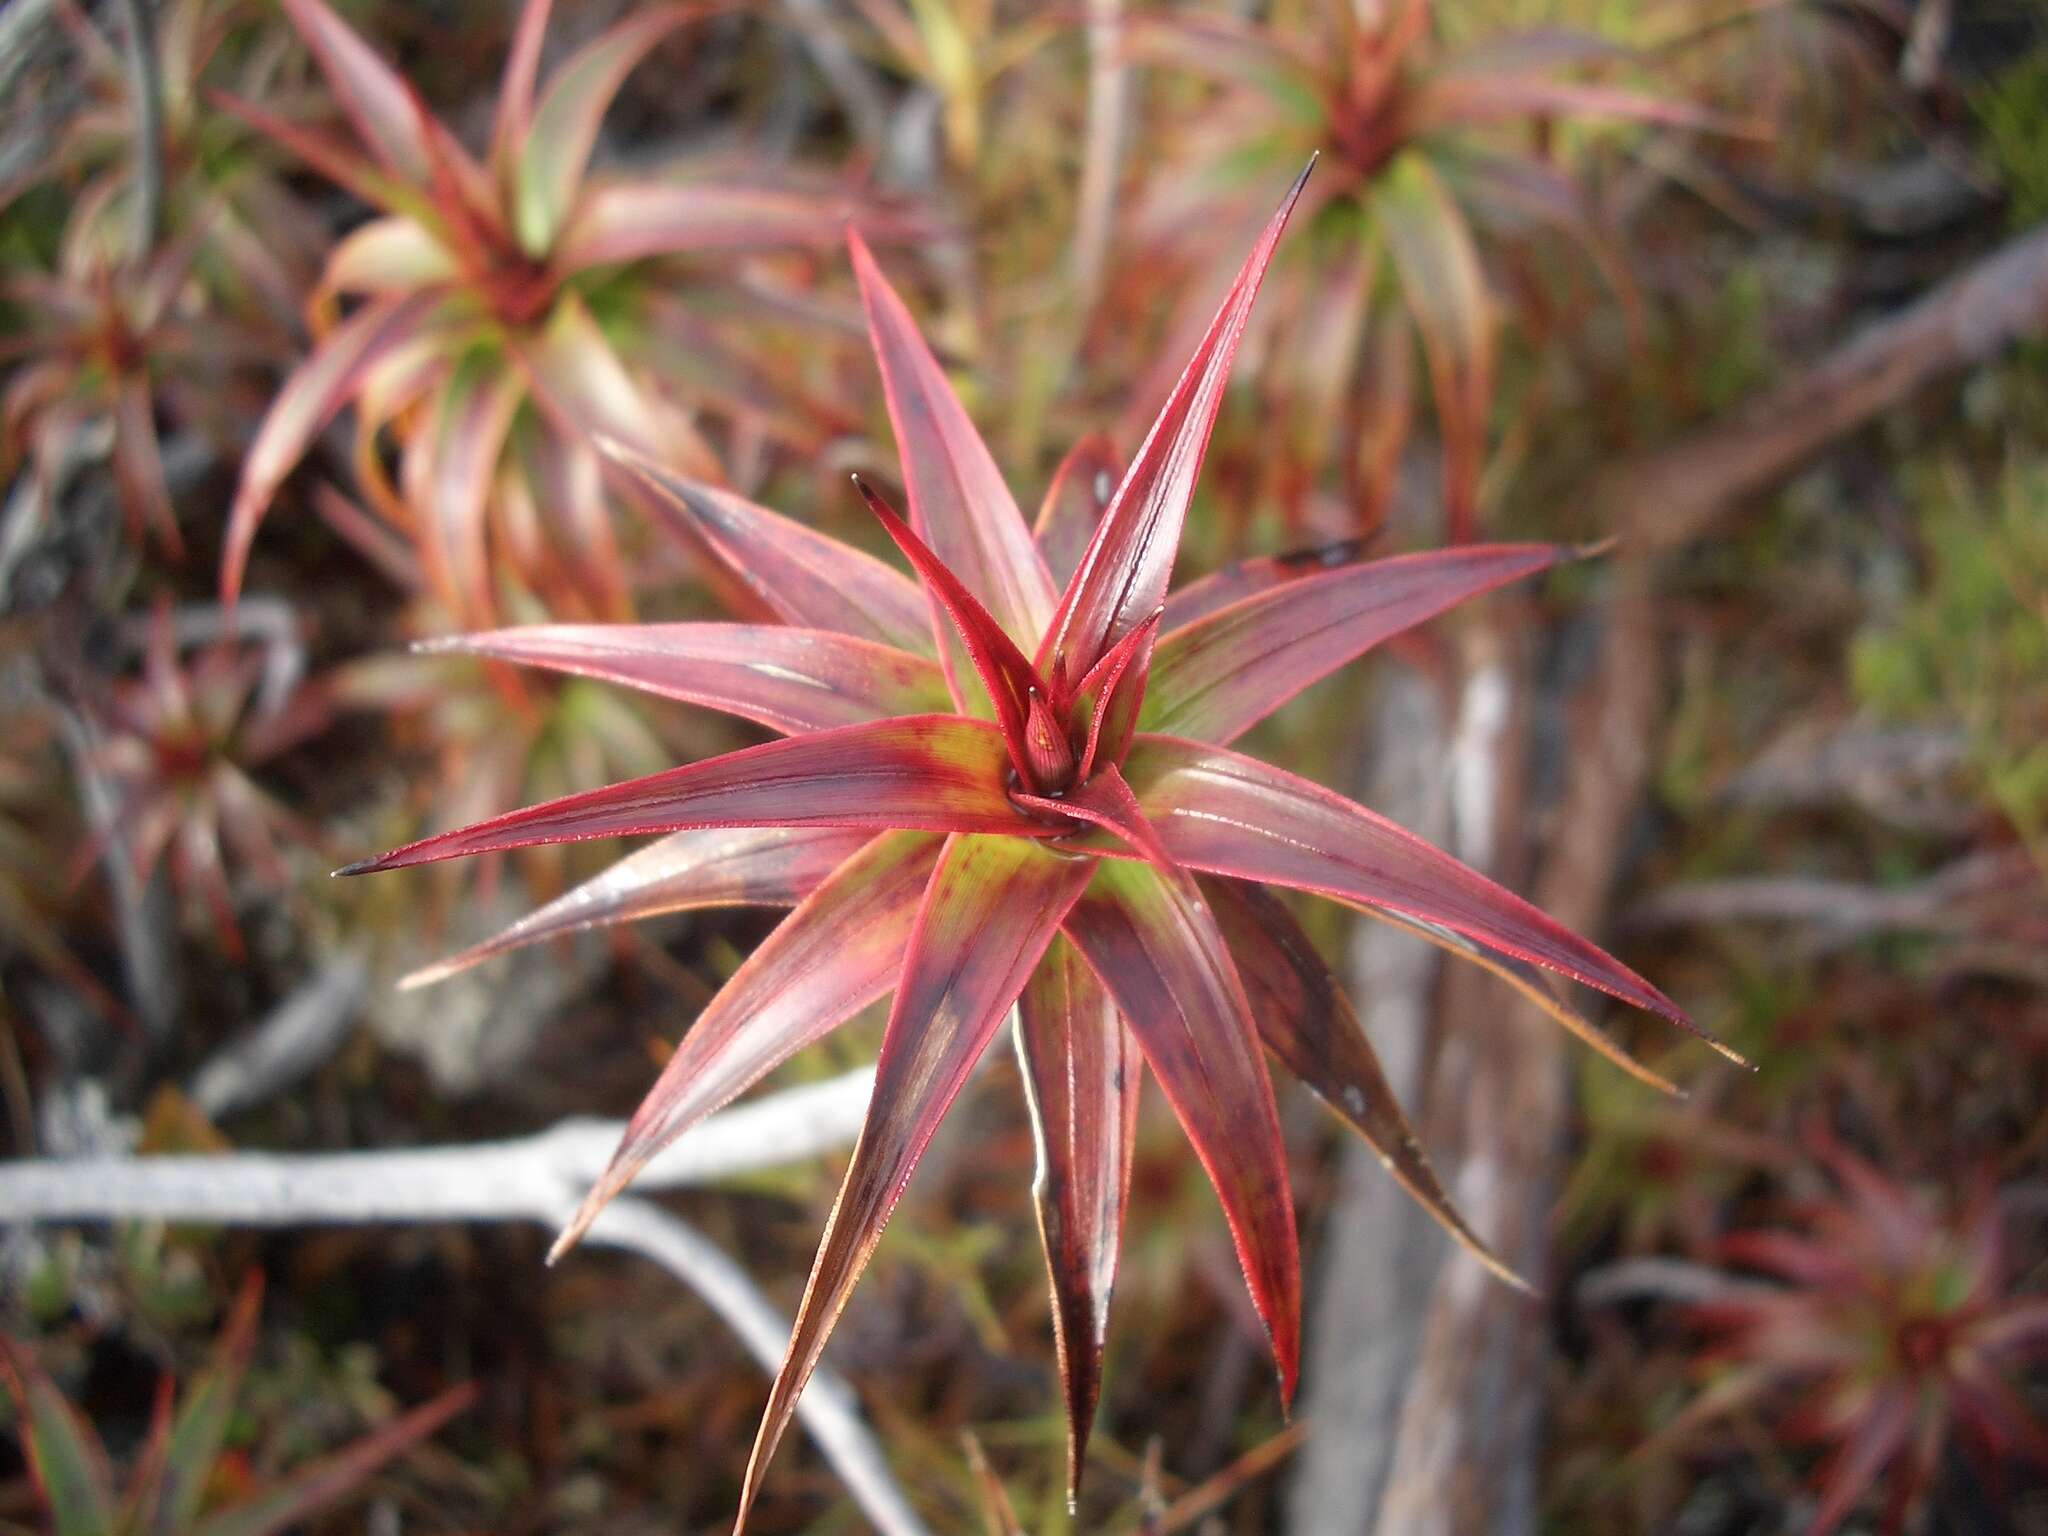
1006 786
504 309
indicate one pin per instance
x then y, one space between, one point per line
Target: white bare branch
539 1178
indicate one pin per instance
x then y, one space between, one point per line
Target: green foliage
1973 641
2012 113
190 1453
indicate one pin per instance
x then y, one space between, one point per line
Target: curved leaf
1156 949
1216 678
837 952
1082 1077
933 773
992 907
703 867
375 98
786 679
316 389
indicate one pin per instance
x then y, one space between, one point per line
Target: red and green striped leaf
840 950
1082 1076
1223 813
1216 678
1157 951
992 907
789 680
704 867
959 503
1122 578
1306 1020
932 773
802 576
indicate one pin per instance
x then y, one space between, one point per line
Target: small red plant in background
493 326
1891 1330
995 792
176 746
1431 147
175 1485
106 341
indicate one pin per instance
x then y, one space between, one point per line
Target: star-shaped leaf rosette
1004 797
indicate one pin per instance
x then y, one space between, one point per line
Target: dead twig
539 1178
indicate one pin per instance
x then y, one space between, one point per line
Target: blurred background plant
1553 248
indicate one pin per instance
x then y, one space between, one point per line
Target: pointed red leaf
1227 814
1536 985
1216 678
1122 578
316 389
992 907
374 97
1082 1076
1305 1019
810 580
1156 949
1005 673
1075 500
1247 578
786 679
704 867
959 503
933 773
837 952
